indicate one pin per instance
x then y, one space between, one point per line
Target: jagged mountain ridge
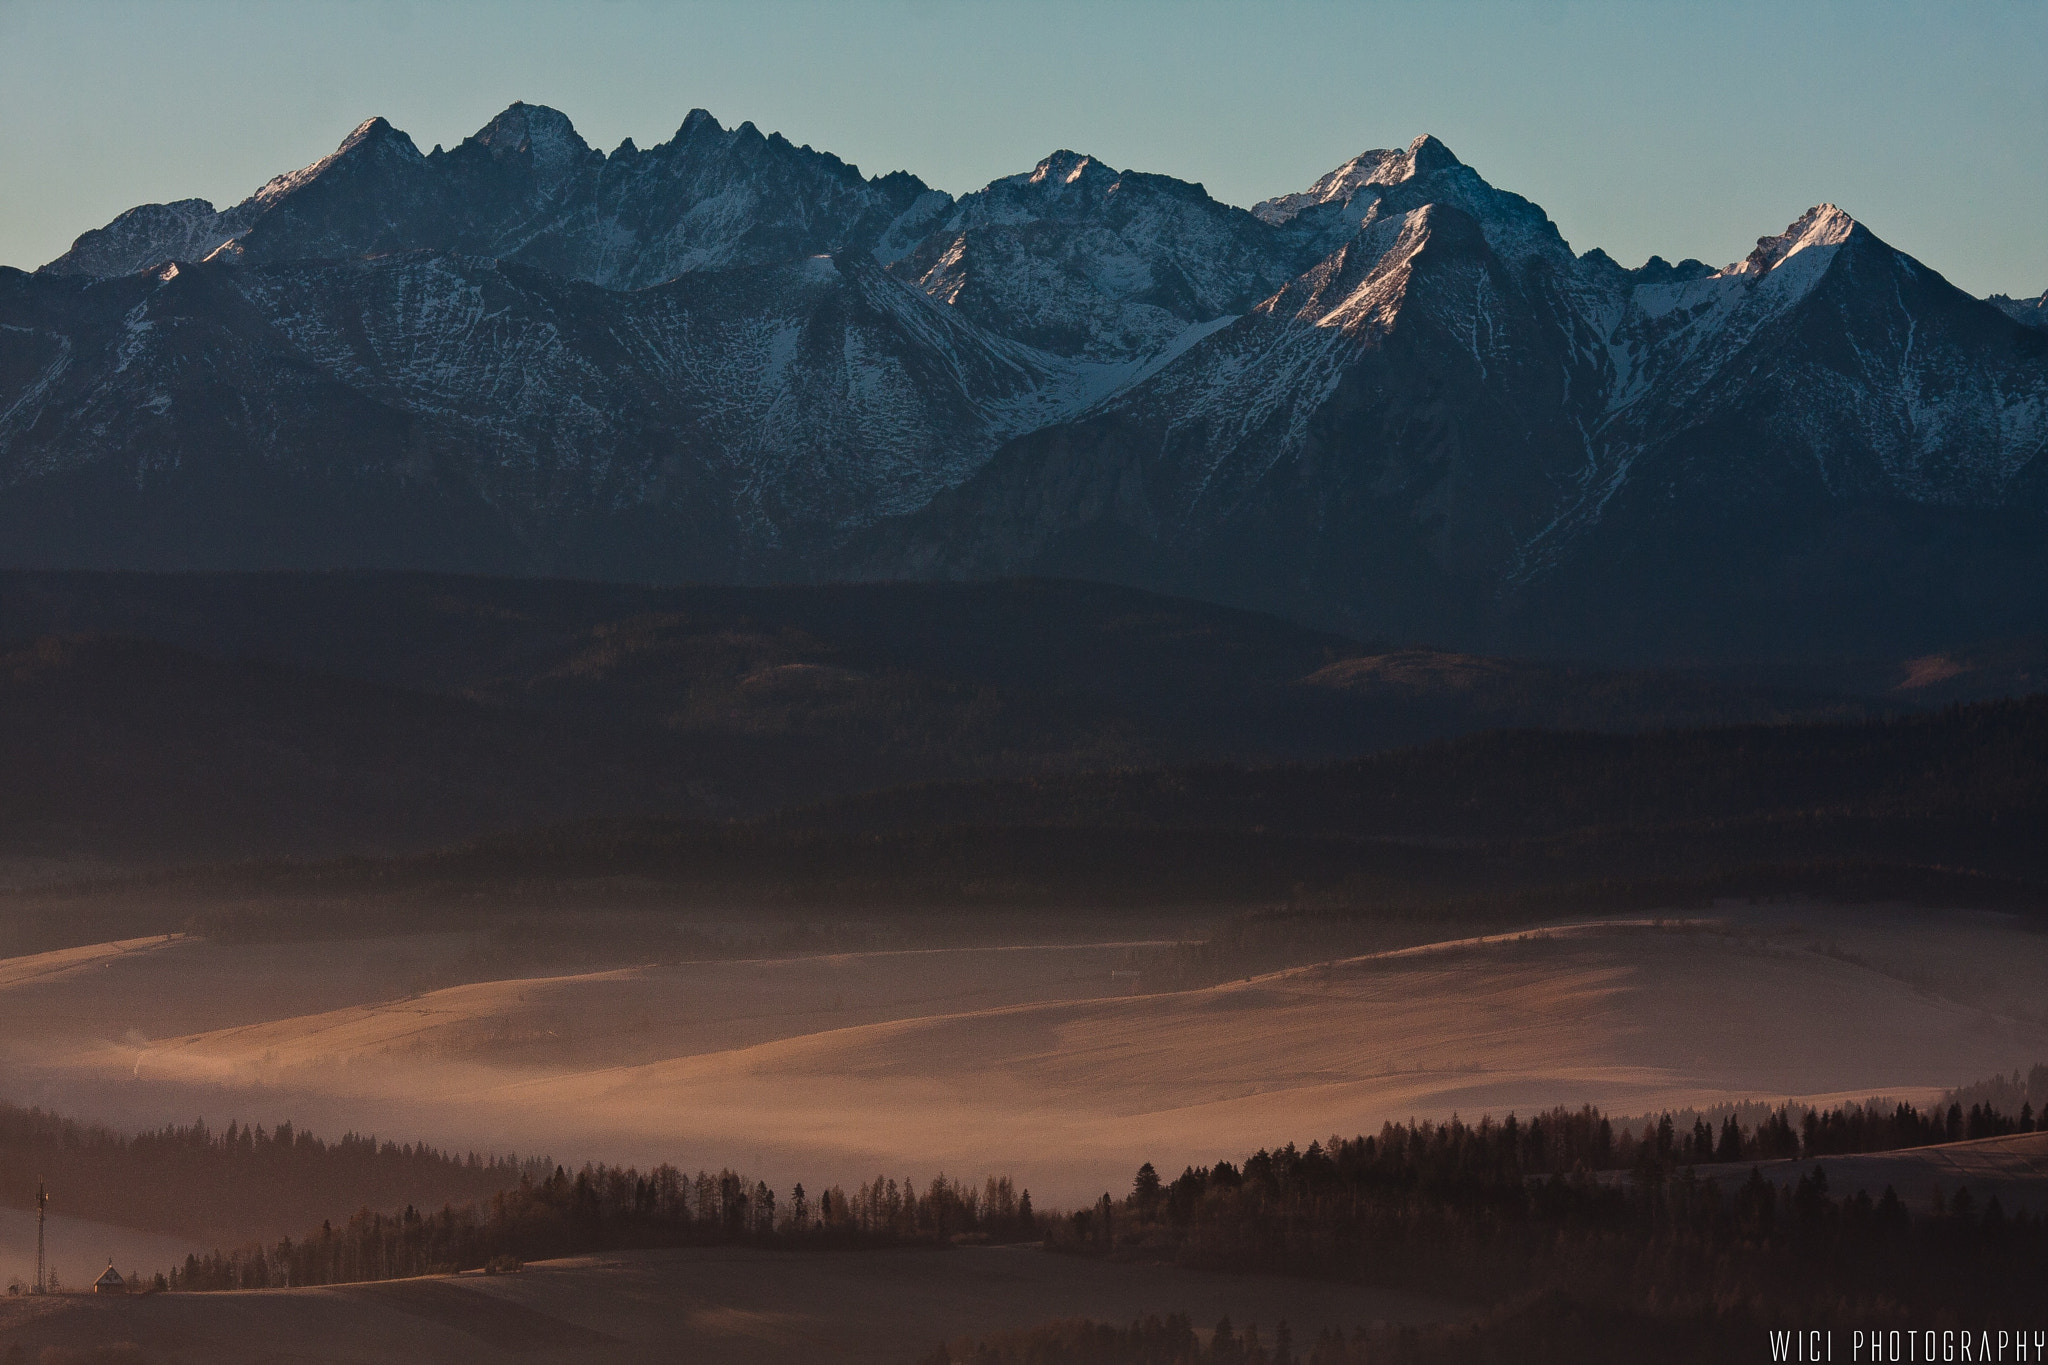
527 188
1073 257
1453 428
739 416
1397 402
2033 312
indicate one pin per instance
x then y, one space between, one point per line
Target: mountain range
1397 404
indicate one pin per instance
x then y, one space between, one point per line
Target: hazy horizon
1675 131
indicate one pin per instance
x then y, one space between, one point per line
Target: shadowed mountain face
127 752
1395 404
432 410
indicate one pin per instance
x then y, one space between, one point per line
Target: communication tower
42 1200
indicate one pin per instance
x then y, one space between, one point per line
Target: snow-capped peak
1367 173
543 133
1821 225
1379 167
373 138
368 130
1062 168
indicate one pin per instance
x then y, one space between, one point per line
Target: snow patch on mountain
1679 332
1103 266
542 135
42 356
187 230
820 395
373 139
1359 181
912 226
1239 401
1819 227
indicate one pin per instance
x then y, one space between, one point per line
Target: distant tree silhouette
609 1208
196 1181
1492 1208
1145 1189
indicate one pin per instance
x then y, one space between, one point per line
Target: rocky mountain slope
1083 260
1453 428
1397 402
2033 312
428 408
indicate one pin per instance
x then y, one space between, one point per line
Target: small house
110 1282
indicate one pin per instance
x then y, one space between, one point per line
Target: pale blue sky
1680 129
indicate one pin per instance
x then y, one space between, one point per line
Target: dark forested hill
198 717
129 752
235 1184
478 746
1985 762
1941 809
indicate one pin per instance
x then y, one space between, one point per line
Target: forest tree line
1663 1265
1498 1209
614 1208
1844 1130
1932 809
1981 762
609 1208
191 1180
